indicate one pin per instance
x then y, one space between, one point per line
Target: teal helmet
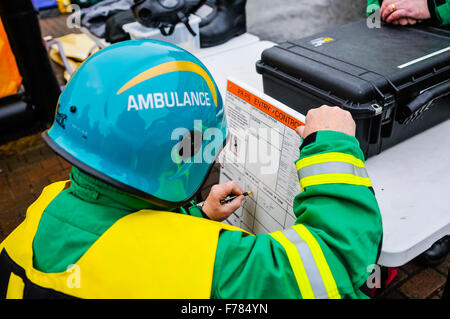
145 116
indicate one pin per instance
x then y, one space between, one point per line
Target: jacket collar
90 189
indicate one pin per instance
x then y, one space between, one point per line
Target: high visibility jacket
327 253
147 254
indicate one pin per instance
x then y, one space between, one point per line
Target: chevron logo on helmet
168 67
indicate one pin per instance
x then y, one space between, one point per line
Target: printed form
260 156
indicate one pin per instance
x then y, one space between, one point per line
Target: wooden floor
56 26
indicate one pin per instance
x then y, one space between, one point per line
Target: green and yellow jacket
439 10
91 240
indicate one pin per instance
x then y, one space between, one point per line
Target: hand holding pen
223 200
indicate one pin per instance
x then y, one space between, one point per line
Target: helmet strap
185 21
169 32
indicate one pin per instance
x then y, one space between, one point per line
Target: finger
388 3
300 130
384 13
387 8
397 15
390 6
221 191
395 22
232 187
398 9
235 203
403 21
412 21
385 4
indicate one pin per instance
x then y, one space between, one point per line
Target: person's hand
217 211
404 11
327 118
405 21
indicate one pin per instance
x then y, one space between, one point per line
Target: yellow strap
15 287
21 239
334 178
161 255
324 269
297 265
329 157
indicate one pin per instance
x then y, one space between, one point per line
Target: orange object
264 106
10 79
64 6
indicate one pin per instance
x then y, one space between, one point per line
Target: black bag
394 80
165 14
94 18
113 28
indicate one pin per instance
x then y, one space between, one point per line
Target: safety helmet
135 115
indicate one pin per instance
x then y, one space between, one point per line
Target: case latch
378 109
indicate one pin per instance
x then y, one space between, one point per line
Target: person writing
124 226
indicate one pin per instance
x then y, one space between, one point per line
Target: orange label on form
264 106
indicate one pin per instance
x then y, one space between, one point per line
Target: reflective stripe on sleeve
296 264
311 269
321 262
308 263
330 168
329 157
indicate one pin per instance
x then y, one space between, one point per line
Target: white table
412 185
411 179
237 42
234 43
239 63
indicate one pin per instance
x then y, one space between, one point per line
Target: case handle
421 103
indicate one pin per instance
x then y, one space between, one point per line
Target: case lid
356 63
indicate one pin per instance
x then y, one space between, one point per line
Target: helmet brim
126 188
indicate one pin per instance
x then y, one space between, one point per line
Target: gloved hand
327 118
217 211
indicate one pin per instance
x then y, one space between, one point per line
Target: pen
230 198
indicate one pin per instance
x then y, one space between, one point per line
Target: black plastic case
394 80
